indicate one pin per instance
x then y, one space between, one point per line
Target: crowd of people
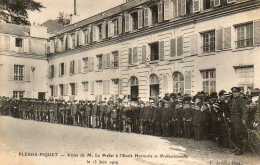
223 117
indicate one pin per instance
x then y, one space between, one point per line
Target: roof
105 14
18 30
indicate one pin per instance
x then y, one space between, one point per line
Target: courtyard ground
25 142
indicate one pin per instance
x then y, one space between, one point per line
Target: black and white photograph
130 82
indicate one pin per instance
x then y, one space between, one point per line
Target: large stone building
23 62
151 47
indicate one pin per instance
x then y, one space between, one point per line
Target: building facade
146 48
23 62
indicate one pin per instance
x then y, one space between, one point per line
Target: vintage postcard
130 82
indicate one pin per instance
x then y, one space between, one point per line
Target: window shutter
104 61
76 88
79 66
140 18
104 30
160 12
227 38
196 6
130 56
161 50
90 32
94 33
194 44
182 7
108 61
143 54
187 82
173 47
11 72
52 47
168 9
91 64
216 3
81 38
55 71
219 39
26 45
135 55
175 10
66 90
27 73
257 32
92 87
56 88
110 29
147 17
120 24
65 68
127 22
179 46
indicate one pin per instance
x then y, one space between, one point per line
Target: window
244 35
208 41
132 56
178 82
155 14
115 62
85 64
74 37
73 89
62 69
19 72
207 4
134 16
85 86
72 67
52 90
18 94
99 26
52 71
245 75
100 62
154 49
115 25
19 42
209 81
134 88
99 87
61 89
154 86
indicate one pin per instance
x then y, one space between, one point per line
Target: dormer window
134 16
155 14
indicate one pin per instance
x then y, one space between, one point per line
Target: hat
186 98
235 89
214 95
222 92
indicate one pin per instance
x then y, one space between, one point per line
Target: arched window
154 86
134 88
178 82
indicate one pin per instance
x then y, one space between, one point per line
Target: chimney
75 7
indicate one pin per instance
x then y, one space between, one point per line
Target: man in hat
187 117
238 108
180 115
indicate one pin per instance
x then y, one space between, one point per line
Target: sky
86 8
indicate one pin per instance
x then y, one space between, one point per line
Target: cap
235 89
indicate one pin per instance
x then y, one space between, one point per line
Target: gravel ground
35 143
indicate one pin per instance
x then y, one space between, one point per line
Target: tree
18 10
